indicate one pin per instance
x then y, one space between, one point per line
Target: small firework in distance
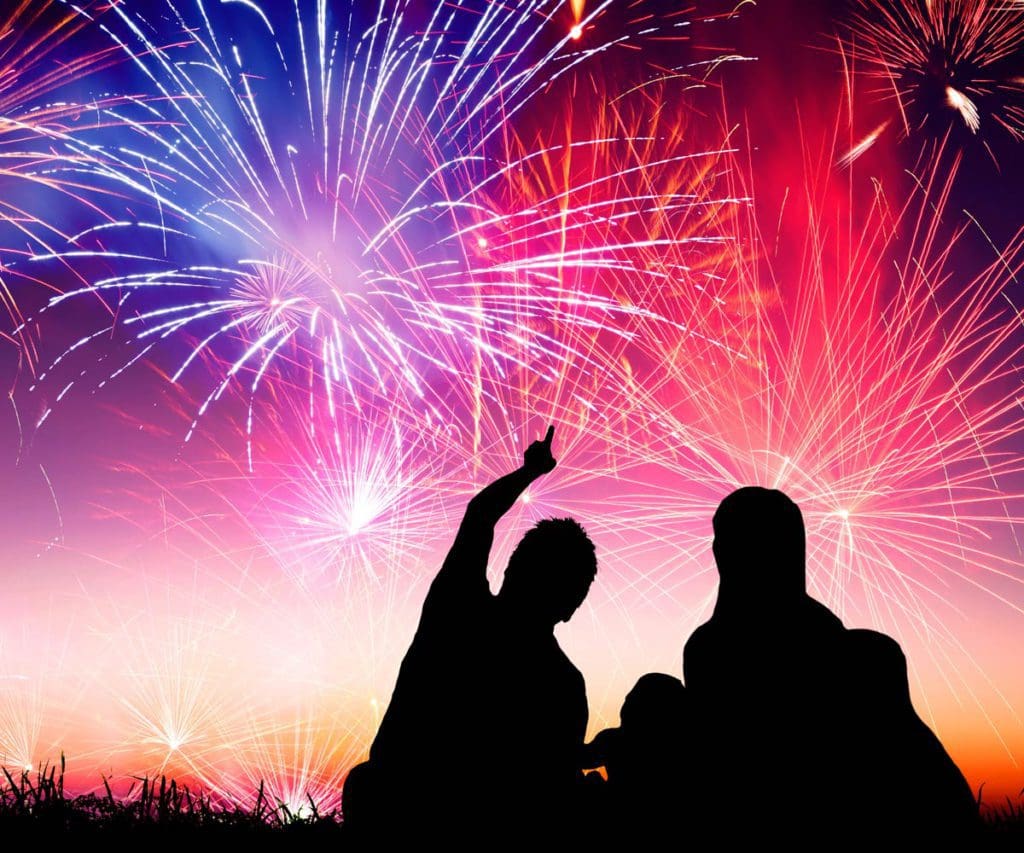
348 502
944 59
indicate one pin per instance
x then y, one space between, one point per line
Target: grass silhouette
151 810
160 810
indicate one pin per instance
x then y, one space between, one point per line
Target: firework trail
332 197
43 159
940 58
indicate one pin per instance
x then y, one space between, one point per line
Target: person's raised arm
497 498
468 555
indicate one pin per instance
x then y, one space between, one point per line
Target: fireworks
391 244
878 390
939 57
335 200
298 764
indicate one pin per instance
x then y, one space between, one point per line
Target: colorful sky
284 285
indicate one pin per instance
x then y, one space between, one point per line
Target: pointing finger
550 435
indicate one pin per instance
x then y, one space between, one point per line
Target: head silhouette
760 546
550 571
656 704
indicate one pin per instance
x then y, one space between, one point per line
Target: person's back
908 786
766 696
805 719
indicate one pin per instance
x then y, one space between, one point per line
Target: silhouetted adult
482 736
648 761
809 727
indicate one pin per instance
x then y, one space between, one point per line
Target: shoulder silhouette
483 731
808 726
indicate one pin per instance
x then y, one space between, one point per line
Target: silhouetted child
647 794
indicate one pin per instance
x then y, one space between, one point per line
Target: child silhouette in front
646 761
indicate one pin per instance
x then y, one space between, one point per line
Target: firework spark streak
42 156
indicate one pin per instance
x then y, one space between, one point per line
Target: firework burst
349 499
337 199
297 765
885 406
178 710
942 58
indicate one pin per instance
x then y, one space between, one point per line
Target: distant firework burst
297 764
942 59
168 651
343 500
21 716
33 666
329 198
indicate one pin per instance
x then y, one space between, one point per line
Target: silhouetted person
809 730
648 762
482 736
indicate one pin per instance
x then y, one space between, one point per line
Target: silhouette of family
789 727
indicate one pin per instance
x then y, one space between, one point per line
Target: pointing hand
538 459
